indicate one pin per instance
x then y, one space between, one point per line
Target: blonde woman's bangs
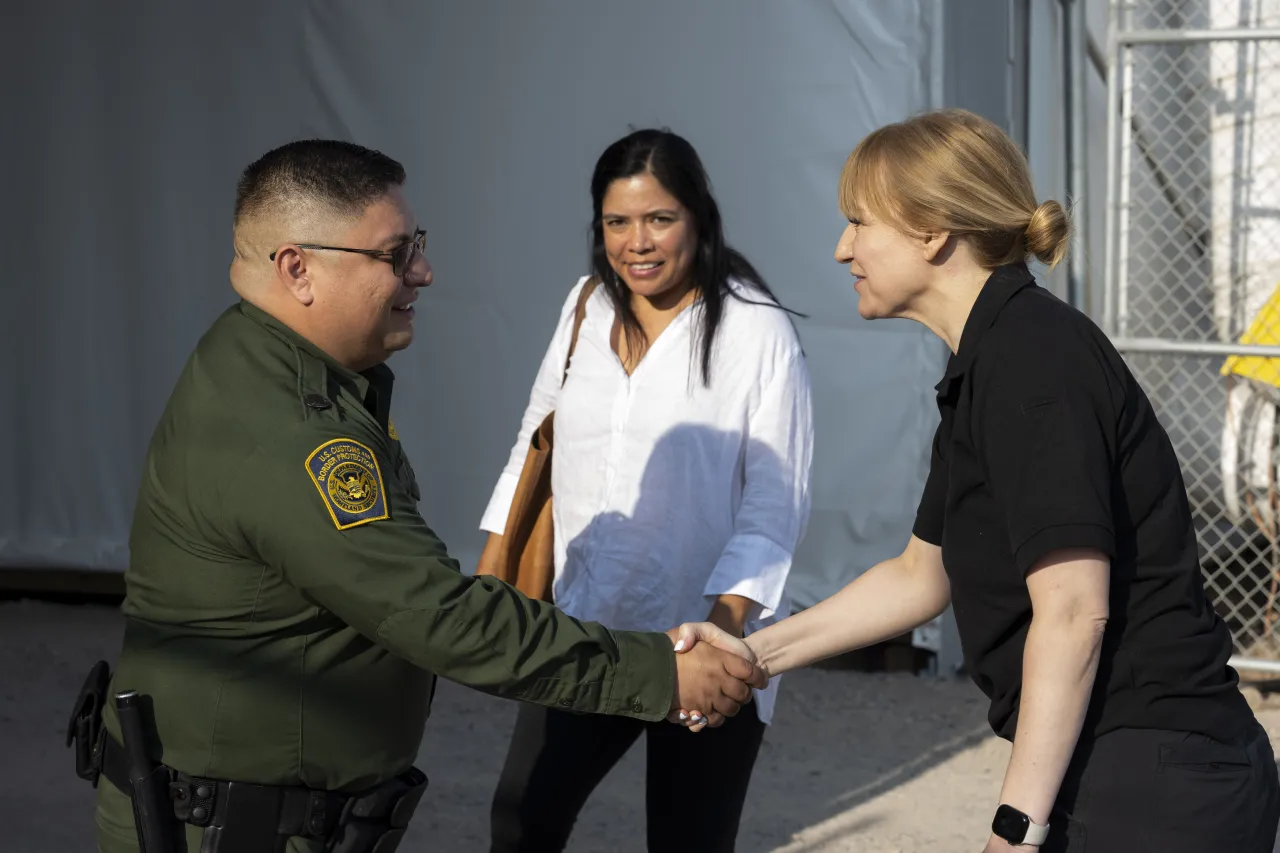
865 185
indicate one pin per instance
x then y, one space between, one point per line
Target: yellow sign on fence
1265 329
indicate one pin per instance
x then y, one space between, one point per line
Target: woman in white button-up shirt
681 482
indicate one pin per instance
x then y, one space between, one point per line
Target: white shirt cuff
495 515
753 567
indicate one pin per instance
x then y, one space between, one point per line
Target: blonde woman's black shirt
1047 442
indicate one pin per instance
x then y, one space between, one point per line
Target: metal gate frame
1124 136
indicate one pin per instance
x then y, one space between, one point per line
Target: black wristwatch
1017 828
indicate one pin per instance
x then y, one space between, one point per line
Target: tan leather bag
526 559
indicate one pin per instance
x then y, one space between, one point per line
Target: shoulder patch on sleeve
350 482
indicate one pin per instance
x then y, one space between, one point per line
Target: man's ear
934 244
294 273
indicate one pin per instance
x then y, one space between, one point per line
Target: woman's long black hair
676 165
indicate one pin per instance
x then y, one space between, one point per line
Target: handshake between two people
715 672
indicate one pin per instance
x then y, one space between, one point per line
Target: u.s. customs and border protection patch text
350 482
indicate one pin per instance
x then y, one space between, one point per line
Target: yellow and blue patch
350 482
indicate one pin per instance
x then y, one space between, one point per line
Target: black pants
556 759
1175 792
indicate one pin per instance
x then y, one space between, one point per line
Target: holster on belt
85 729
375 822
148 780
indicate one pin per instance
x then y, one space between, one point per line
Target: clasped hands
715 672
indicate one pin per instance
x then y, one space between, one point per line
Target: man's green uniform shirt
288 609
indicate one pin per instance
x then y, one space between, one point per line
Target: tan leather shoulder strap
579 313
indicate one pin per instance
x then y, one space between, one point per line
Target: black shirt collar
999 288
377 397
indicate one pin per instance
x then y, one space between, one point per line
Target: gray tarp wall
126 131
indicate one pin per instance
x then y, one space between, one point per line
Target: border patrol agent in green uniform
288 609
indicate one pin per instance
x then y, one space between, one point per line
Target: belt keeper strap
318 817
194 799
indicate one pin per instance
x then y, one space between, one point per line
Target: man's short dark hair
341 175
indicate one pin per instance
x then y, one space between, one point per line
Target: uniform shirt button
565 702
317 401
637 707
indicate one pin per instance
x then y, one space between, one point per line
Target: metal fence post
1191 294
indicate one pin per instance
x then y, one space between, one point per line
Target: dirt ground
853 762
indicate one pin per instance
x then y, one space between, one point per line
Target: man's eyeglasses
400 257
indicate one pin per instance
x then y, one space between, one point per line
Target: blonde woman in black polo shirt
1054 519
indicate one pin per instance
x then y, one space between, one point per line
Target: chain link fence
1193 268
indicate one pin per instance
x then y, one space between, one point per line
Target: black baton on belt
149 783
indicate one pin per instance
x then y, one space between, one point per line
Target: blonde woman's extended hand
689 635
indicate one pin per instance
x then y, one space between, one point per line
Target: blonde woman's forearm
888 600
1069 597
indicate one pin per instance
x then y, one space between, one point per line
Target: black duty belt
373 821
206 802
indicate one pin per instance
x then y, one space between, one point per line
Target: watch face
1010 824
